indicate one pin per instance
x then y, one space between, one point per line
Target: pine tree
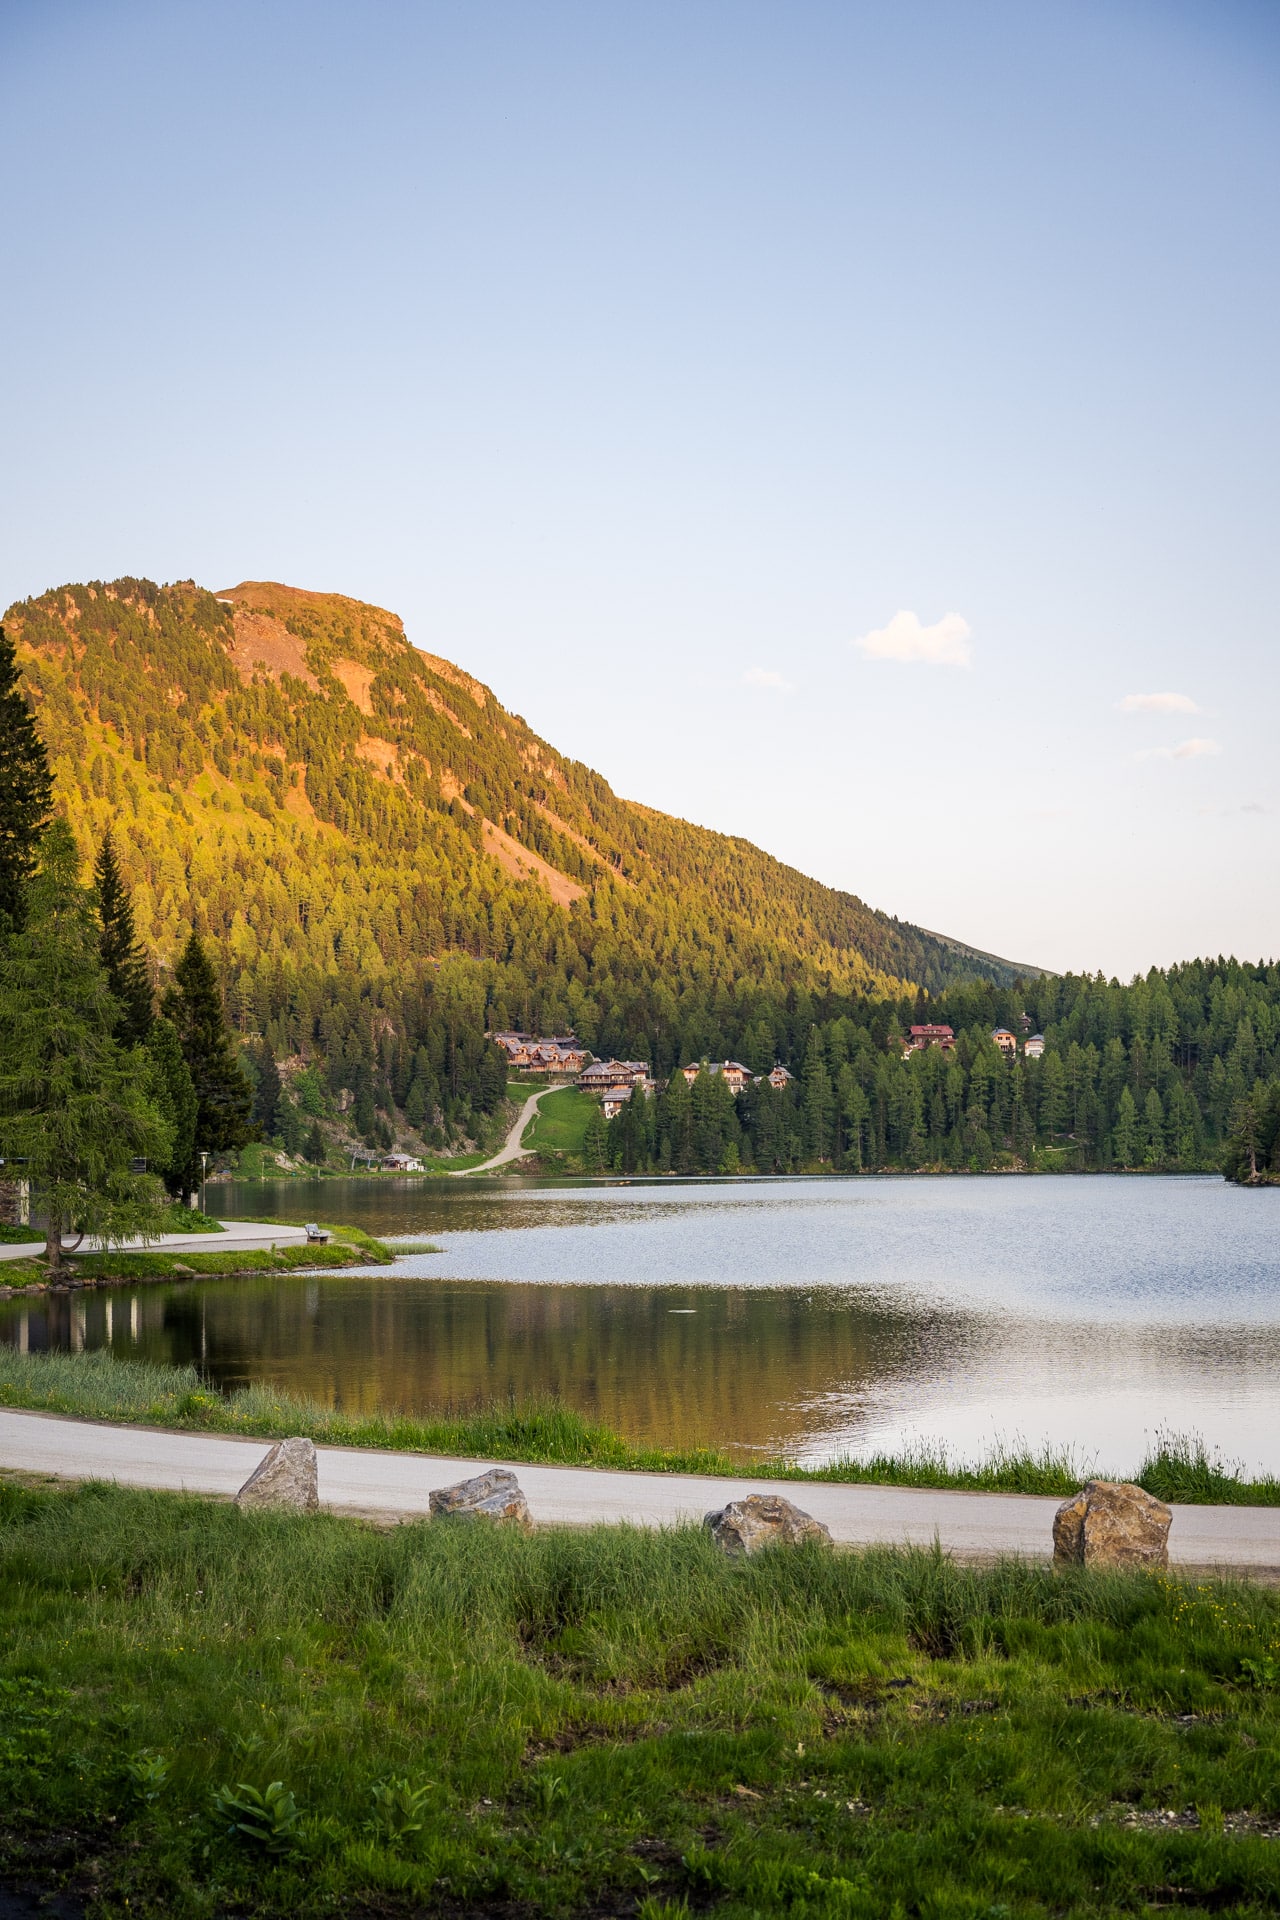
266 1098
224 1098
593 1143
74 1104
1124 1133
26 790
174 1094
121 955
317 1148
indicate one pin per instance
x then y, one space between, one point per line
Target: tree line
1177 1072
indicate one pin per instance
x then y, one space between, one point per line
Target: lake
805 1316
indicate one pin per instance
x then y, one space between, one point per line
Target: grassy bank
561 1121
100 1387
349 1246
210 1712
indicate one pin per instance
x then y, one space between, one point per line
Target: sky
848 426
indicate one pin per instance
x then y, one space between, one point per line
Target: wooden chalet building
735 1075
920 1038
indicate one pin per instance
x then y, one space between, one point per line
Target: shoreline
177 1400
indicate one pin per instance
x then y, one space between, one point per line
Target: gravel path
238 1236
511 1149
396 1485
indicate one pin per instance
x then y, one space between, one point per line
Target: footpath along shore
396 1486
237 1236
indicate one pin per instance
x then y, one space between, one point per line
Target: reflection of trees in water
741 1369
753 1366
388 1205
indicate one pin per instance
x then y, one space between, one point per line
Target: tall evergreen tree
173 1091
122 956
224 1098
266 1095
26 790
75 1105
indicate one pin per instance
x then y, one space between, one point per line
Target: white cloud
1185 750
945 644
764 677
1158 703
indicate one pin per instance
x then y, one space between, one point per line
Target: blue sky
821 419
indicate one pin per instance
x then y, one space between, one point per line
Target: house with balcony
922 1037
1006 1041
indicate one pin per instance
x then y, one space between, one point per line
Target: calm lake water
811 1316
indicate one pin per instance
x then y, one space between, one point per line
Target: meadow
209 1711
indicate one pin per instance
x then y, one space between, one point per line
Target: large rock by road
763 1520
494 1495
286 1478
1112 1523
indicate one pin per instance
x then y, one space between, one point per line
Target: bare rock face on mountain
286 1478
1112 1524
763 1520
495 1495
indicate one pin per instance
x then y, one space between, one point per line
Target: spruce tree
317 1147
266 1097
122 957
174 1094
75 1105
224 1098
26 790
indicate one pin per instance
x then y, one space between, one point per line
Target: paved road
239 1236
396 1486
512 1149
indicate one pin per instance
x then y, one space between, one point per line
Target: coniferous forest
348 852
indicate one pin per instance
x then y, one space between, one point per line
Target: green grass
350 1246
18 1236
182 1219
101 1387
465 1720
560 1123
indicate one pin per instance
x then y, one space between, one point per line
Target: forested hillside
385 863
1174 1072
338 811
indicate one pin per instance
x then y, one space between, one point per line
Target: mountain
342 812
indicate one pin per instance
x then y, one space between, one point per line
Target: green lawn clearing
205 1711
560 1123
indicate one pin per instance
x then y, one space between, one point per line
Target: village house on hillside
1034 1046
735 1075
606 1076
780 1078
918 1038
1007 1042
528 1053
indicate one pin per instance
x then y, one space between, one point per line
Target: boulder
1111 1524
286 1478
763 1520
494 1495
